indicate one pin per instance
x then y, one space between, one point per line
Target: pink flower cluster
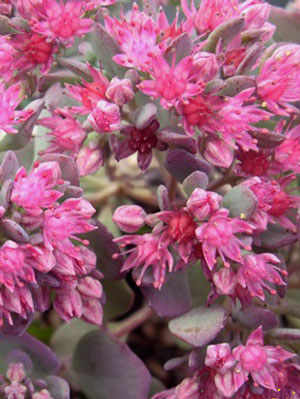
47 257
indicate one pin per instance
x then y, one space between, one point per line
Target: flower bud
105 117
203 203
90 159
129 218
120 91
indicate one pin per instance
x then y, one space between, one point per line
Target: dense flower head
62 22
48 256
278 80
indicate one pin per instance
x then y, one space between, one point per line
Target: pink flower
218 237
171 83
90 159
203 203
41 181
66 132
258 270
90 93
92 4
62 22
225 281
66 221
33 50
129 218
7 56
119 91
137 38
149 251
287 155
10 98
278 82
219 357
258 360
105 117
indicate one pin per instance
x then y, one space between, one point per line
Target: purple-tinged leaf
9 166
43 359
79 68
5 26
173 299
119 298
18 356
101 241
240 201
20 140
224 32
19 325
5 193
199 326
275 237
181 47
236 84
106 368
163 198
48 80
105 47
254 316
174 363
58 387
181 163
195 180
265 139
67 165
178 139
287 25
253 54
196 358
144 115
13 230
285 333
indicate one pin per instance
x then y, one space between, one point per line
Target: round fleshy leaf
13 230
106 368
101 241
105 47
67 336
178 139
181 163
174 297
119 298
275 237
199 326
181 47
58 387
144 115
5 193
43 359
267 139
253 316
240 201
79 68
285 333
253 54
236 84
195 180
67 165
225 32
9 166
287 25
46 81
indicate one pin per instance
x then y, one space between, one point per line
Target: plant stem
133 321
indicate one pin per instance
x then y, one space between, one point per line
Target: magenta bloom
10 98
278 83
187 389
287 155
171 83
149 252
218 237
258 360
7 56
41 181
62 22
120 91
90 93
66 132
89 159
258 270
137 38
129 218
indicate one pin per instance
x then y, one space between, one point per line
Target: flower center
254 163
142 141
